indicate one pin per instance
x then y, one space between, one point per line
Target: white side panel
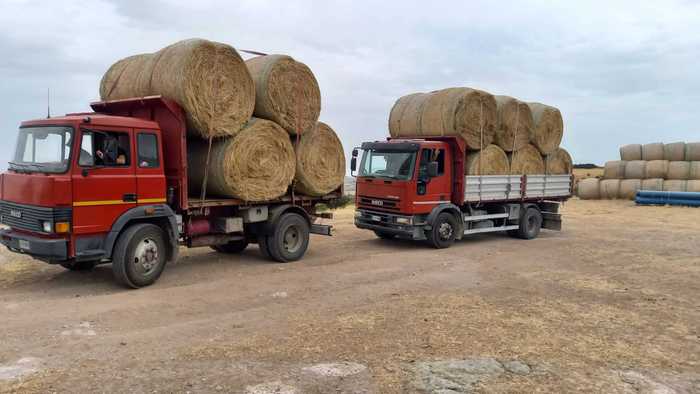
543 186
508 187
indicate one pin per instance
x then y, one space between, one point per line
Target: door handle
129 197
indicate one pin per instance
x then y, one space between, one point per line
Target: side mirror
353 164
432 169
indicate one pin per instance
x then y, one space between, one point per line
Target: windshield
43 149
393 165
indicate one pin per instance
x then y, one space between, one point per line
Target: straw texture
320 166
548 127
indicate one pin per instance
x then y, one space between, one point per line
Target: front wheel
139 256
289 240
443 232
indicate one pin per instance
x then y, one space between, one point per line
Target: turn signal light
62 227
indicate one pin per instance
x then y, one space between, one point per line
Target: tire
78 265
232 247
139 256
383 235
530 224
262 244
290 238
443 232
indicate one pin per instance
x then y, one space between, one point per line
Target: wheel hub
291 239
445 231
146 255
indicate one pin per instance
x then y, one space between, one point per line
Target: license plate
376 218
23 244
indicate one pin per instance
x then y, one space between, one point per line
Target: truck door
432 191
150 178
104 185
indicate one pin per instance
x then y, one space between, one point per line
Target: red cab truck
111 187
415 188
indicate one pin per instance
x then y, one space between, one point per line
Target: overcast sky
620 71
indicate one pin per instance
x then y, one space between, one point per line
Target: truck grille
378 203
29 217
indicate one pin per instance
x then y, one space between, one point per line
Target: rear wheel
443 232
384 235
232 247
289 240
139 256
78 265
530 224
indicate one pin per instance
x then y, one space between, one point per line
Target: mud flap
551 221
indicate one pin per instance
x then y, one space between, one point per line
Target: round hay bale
674 151
694 171
258 164
589 189
657 169
674 185
610 189
629 187
286 92
654 151
679 170
208 79
464 112
558 163
693 186
655 184
405 115
548 127
635 169
526 160
631 152
493 158
514 125
692 151
320 165
614 169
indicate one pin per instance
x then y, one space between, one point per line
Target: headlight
408 220
47 226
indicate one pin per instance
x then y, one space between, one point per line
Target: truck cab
71 178
415 188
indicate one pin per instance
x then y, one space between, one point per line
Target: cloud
621 72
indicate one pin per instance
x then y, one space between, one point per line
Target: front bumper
49 249
386 223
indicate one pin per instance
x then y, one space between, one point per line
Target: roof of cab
95 119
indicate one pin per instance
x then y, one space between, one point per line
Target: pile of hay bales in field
655 166
503 135
256 120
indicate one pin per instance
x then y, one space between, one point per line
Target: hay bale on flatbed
558 162
548 127
286 92
514 125
258 164
493 159
208 79
320 166
526 160
463 112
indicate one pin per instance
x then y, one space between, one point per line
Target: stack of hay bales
257 120
655 166
503 135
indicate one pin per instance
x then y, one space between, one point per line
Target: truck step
490 229
485 217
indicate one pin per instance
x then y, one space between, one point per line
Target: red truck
111 186
415 188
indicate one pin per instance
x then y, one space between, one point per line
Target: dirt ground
610 304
